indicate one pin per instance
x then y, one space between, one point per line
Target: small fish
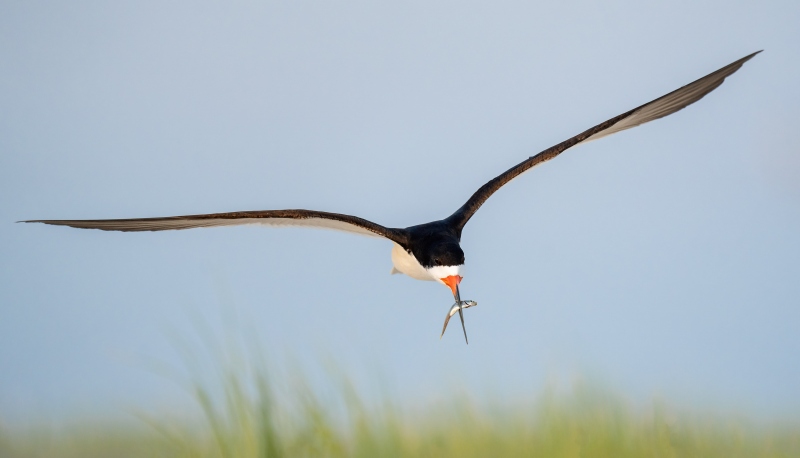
458 307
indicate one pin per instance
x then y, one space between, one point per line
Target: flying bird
429 251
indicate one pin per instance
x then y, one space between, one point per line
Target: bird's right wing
302 218
658 108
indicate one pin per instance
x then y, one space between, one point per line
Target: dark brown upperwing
304 218
658 108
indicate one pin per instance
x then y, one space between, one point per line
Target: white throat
440 272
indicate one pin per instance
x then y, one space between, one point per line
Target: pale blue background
664 260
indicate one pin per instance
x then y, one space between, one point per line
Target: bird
429 251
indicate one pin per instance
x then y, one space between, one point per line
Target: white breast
405 263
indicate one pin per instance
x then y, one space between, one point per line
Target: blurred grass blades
249 410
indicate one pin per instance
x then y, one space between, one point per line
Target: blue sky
664 260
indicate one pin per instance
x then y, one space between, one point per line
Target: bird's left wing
303 218
658 108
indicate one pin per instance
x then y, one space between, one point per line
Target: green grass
250 412
251 422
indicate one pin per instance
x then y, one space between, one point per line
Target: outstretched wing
303 218
658 108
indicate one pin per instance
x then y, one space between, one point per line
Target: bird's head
443 263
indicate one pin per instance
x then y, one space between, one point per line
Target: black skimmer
429 251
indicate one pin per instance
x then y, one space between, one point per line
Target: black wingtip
749 56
